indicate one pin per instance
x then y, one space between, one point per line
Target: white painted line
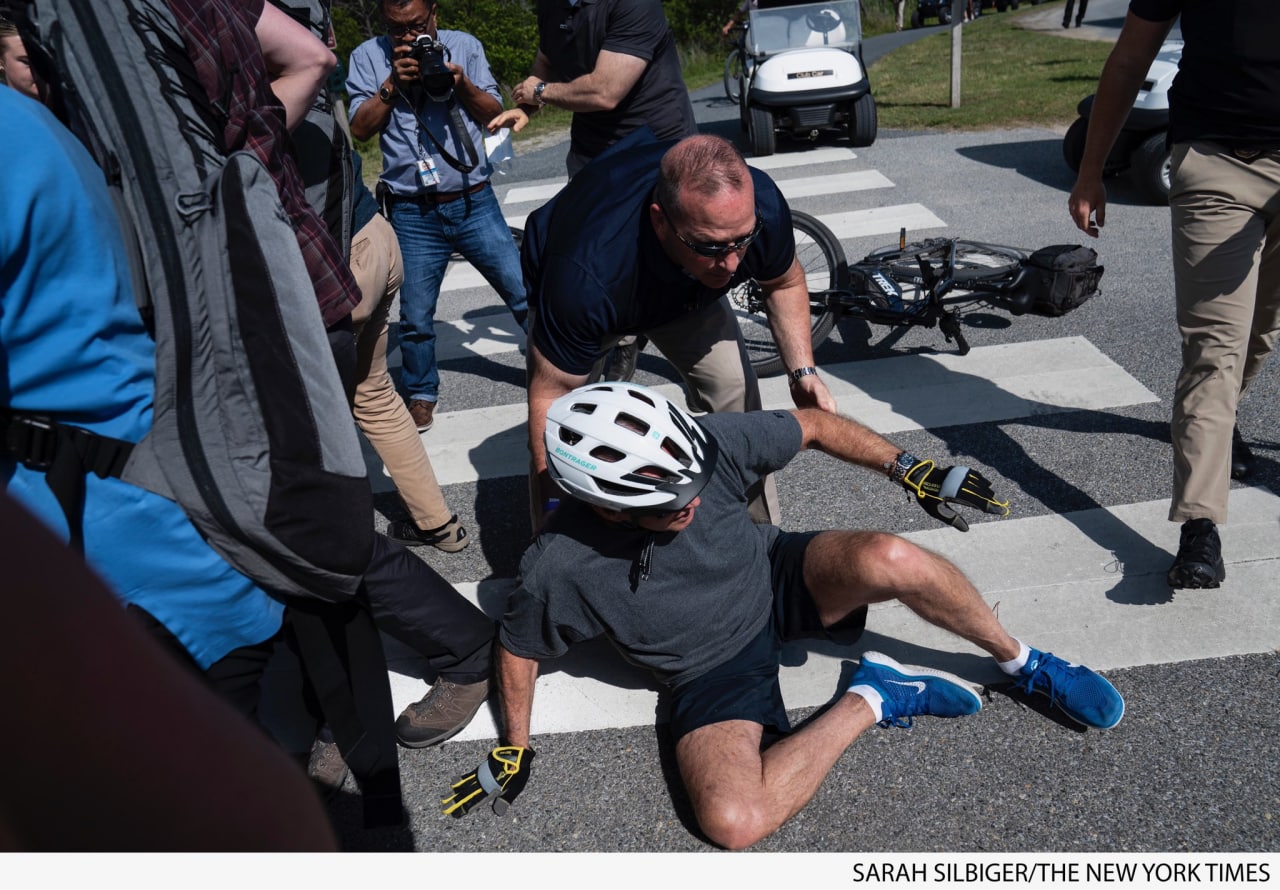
803 158
833 184
881 221
1088 586
540 191
991 383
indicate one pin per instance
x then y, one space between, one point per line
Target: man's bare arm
546 384
1122 75
601 90
298 62
845 439
787 304
516 678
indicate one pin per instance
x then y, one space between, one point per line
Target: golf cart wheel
863 121
916 21
1073 143
760 132
1001 5
1152 168
944 13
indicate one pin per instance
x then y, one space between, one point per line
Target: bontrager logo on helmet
626 447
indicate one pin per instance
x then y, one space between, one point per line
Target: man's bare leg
741 795
845 570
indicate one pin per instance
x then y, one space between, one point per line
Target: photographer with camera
427 93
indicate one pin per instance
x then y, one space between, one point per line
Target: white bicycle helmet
625 447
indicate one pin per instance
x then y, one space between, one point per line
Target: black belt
435 197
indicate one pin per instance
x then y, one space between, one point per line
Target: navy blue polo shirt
594 268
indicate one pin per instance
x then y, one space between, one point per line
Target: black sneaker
1241 455
1199 560
622 360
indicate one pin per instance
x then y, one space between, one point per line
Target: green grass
1009 77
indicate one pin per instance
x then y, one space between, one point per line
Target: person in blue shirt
73 345
435 178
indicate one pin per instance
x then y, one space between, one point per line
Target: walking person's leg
478 231
379 410
426 252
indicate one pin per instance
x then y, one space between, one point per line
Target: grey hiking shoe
441 714
326 767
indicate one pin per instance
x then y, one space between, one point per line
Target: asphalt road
1193 766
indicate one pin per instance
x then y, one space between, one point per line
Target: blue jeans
472 225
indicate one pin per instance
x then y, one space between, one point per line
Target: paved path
1068 416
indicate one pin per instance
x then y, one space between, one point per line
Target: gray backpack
252 434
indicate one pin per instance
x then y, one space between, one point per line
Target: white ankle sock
1013 667
873 698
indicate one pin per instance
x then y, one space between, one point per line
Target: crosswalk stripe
1078 584
880 221
991 383
833 184
541 191
803 158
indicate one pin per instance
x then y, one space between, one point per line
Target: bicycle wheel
825 268
974 261
733 74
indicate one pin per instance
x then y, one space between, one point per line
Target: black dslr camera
432 56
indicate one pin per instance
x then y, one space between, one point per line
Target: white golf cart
1140 147
805 74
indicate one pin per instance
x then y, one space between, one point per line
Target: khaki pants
1225 215
379 410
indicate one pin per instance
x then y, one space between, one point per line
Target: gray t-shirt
707 592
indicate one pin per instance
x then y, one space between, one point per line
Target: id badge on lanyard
428 176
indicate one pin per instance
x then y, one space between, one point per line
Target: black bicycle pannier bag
1061 277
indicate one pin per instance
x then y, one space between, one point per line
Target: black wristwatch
387 94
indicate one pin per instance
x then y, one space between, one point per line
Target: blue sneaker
909 691
1083 695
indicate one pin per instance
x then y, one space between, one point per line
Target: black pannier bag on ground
1061 277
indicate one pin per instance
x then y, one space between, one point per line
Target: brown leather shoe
441 714
422 413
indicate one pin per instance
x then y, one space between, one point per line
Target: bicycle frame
875 293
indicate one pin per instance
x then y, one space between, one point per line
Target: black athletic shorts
745 687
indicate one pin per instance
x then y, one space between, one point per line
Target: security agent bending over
648 239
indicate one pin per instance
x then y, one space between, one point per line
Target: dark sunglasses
713 250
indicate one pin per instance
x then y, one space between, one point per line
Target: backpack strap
66 455
340 649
